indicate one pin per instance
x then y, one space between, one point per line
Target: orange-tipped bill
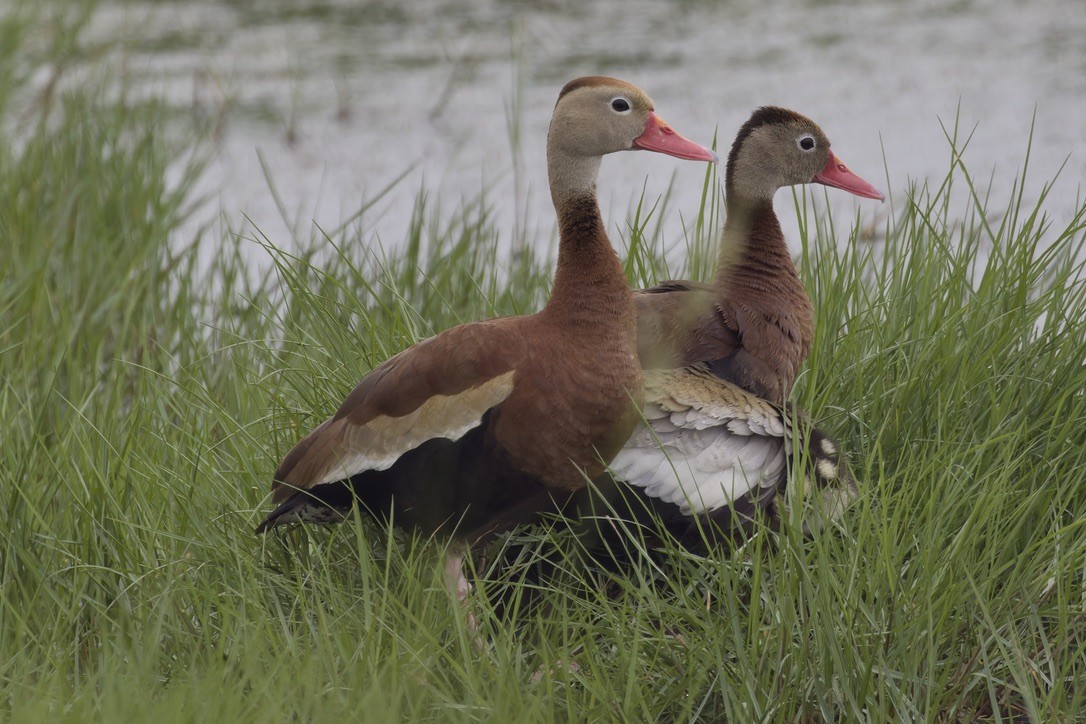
661 137
838 175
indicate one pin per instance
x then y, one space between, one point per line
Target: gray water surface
341 98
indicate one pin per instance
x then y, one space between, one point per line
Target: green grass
143 406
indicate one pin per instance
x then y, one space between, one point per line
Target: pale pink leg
458 584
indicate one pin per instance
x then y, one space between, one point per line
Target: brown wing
440 388
677 324
682 323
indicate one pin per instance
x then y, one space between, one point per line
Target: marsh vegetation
146 394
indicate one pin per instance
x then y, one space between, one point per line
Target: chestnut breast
576 400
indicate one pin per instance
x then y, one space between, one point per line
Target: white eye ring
806 142
620 105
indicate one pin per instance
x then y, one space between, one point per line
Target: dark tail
324 504
829 486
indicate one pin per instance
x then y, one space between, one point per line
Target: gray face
595 120
780 154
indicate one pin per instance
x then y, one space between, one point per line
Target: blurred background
315 107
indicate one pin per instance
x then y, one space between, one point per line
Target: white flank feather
717 444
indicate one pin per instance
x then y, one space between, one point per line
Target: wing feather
440 388
704 443
681 322
380 442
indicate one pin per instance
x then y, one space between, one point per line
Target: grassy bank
143 407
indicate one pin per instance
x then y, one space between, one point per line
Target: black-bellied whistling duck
718 440
753 324
485 425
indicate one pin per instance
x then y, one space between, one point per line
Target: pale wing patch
380 442
704 442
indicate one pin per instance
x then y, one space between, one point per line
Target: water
335 100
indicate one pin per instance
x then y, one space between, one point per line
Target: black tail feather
323 504
830 487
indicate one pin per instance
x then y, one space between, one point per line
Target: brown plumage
484 425
753 324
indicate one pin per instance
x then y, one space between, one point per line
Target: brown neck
590 290
753 253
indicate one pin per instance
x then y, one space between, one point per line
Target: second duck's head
777 147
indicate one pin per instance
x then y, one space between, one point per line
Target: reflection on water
339 98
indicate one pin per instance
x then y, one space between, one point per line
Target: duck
753 323
719 438
485 425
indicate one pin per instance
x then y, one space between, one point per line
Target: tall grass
143 404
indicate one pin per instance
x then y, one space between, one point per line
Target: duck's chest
571 411
784 338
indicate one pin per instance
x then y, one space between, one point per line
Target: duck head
596 115
777 147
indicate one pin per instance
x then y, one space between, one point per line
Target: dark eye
620 105
806 142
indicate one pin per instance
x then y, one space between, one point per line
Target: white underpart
703 459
